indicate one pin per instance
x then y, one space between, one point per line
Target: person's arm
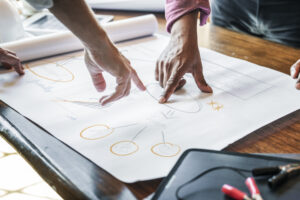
9 60
100 53
182 53
295 73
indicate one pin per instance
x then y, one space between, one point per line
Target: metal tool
280 173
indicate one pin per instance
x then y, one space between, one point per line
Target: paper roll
63 42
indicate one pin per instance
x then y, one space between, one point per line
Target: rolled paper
64 42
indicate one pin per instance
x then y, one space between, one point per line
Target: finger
127 91
167 74
137 81
5 66
298 85
11 57
98 81
171 86
156 71
295 70
11 52
200 81
13 62
101 99
180 85
96 73
119 92
161 74
19 68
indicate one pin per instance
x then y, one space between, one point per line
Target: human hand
9 60
295 73
179 57
108 58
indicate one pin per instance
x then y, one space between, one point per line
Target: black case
208 187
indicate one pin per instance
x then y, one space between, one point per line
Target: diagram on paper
136 132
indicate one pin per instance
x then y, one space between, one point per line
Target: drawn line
90 104
138 133
171 107
163 137
215 105
50 79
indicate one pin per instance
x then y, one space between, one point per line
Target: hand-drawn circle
166 149
195 105
124 148
84 132
72 76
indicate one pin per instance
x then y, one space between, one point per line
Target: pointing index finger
171 86
137 80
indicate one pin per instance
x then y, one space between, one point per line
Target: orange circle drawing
111 130
54 80
164 154
124 142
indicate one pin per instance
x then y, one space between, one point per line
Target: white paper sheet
136 138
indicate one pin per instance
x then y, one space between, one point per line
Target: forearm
184 30
78 17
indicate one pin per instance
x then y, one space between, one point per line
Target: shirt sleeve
40 4
176 8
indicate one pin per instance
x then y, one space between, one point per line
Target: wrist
98 44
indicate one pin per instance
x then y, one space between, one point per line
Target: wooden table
75 177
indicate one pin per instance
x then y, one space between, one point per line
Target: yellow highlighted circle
124 142
110 131
72 77
167 143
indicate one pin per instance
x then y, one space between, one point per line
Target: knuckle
133 71
127 93
170 82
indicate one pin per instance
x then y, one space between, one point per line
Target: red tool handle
233 192
250 182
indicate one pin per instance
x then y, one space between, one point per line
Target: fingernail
162 100
209 89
